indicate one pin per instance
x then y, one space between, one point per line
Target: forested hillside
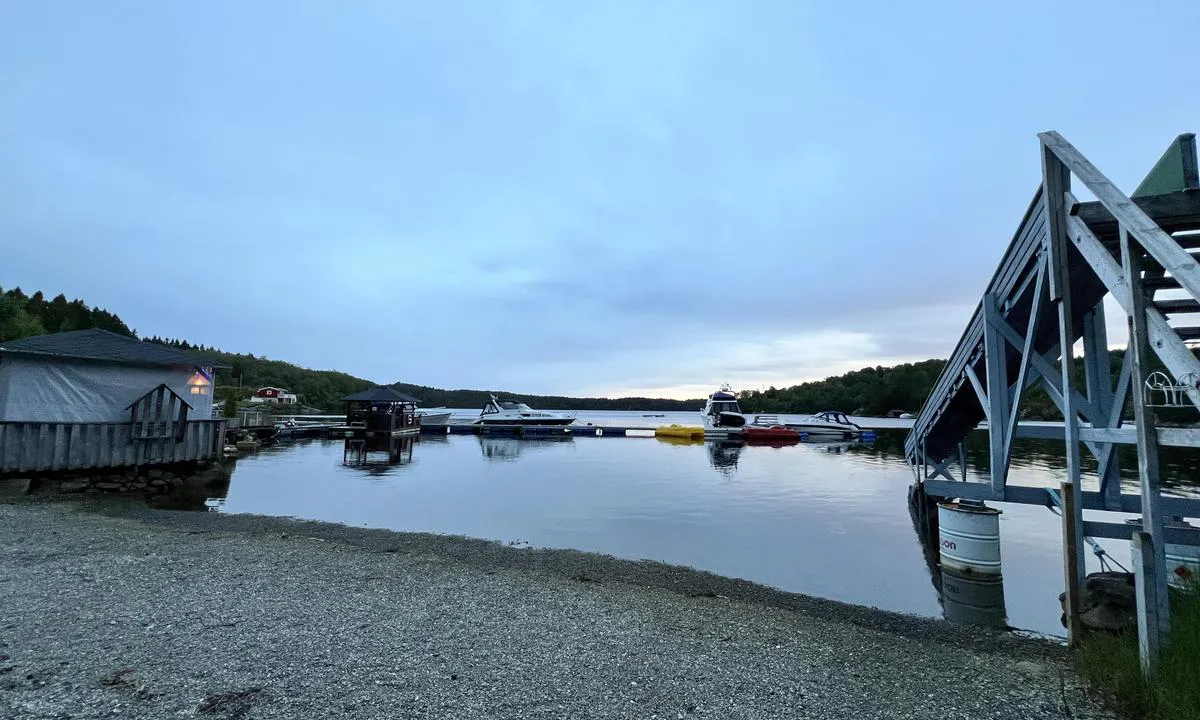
23 315
323 389
872 391
881 390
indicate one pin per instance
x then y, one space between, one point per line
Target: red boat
772 434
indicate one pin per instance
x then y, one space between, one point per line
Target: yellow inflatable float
685 432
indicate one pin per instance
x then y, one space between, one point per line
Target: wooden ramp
1047 294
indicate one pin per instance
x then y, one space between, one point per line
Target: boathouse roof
381 394
96 344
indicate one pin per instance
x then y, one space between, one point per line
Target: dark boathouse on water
380 419
94 399
381 412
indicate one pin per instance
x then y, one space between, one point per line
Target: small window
199 383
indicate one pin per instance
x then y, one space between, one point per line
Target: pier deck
1046 295
354 432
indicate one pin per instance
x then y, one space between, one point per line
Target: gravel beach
113 610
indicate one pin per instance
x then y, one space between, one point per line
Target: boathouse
380 419
94 399
382 411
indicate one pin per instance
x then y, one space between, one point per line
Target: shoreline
493 593
562 563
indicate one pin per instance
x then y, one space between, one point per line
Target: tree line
882 391
871 391
324 389
875 391
24 315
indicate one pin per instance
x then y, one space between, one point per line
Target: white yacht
511 412
721 413
434 417
828 423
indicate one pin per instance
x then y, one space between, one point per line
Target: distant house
93 389
273 396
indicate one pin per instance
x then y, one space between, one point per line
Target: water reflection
724 454
504 449
820 518
973 599
206 491
967 598
378 455
835 447
1177 466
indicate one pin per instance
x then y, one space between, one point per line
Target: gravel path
118 611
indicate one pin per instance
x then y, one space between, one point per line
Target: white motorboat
434 417
511 412
722 414
828 423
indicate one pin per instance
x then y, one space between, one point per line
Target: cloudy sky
576 197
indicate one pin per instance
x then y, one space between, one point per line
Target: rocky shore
114 610
146 480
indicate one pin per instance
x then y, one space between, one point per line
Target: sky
580 198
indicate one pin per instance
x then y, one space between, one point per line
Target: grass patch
1110 664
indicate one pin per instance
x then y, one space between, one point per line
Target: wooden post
1149 645
1072 522
996 353
1153 620
1098 374
1056 182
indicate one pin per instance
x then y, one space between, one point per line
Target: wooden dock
48 446
1048 294
359 432
535 430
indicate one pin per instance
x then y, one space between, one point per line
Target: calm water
826 519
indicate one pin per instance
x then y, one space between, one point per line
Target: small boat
907 416
773 434
830 423
511 412
434 417
721 414
687 432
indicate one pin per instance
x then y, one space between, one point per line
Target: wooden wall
34 446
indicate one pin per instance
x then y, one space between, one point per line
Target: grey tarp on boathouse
90 376
80 391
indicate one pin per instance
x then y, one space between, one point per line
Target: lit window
199 383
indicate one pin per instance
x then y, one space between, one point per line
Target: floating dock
644 431
357 432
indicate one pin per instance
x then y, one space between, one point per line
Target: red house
273 396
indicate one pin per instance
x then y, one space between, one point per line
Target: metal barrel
973 598
969 538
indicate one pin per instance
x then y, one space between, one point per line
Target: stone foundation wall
162 479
